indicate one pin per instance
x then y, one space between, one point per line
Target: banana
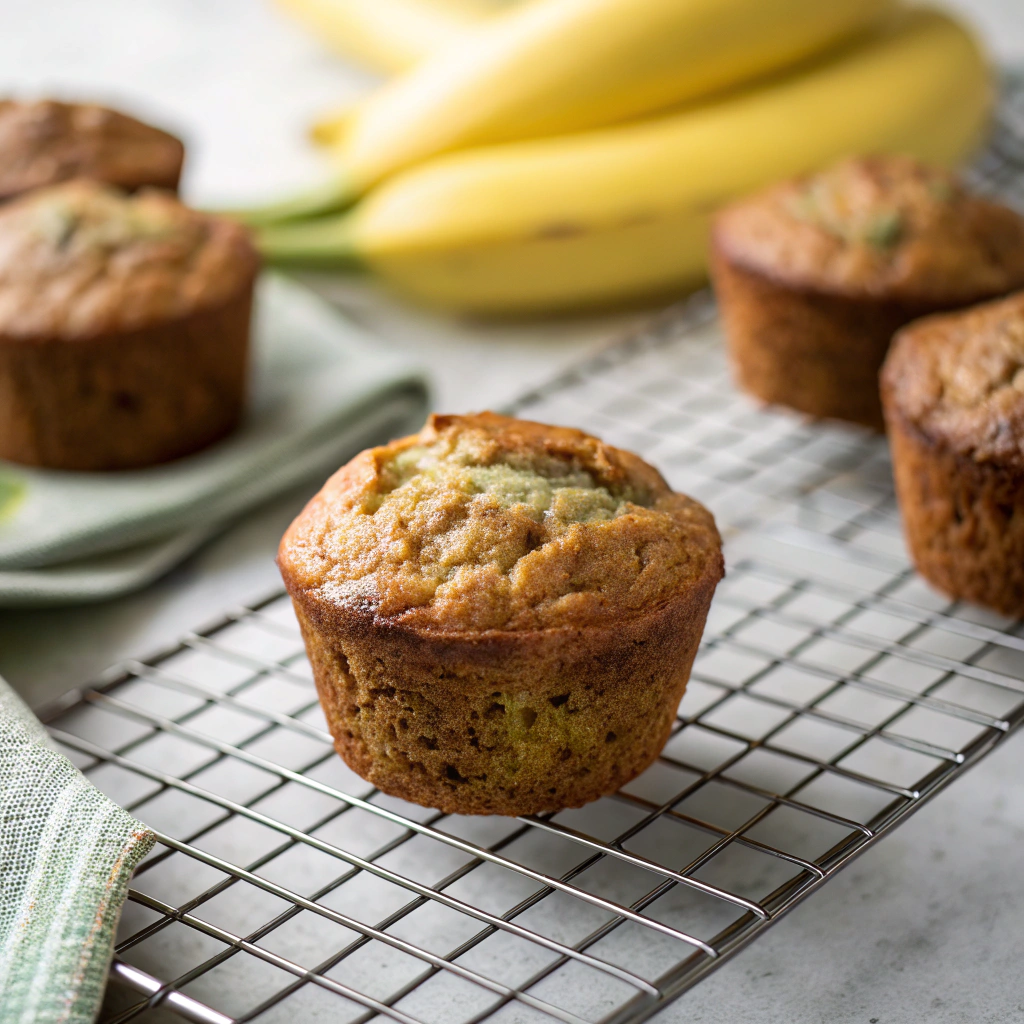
330 128
550 67
623 213
390 35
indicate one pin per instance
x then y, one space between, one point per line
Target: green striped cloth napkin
66 855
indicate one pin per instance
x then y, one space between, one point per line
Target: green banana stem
327 242
331 197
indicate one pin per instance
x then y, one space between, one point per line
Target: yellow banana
622 213
556 66
328 129
390 35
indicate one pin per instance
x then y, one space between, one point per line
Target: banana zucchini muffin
44 142
501 616
814 276
124 327
953 391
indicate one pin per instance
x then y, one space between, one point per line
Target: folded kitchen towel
323 388
106 575
66 856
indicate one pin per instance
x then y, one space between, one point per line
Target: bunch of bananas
555 154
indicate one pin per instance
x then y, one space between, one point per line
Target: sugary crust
80 260
554 709
958 380
963 519
508 570
44 142
888 228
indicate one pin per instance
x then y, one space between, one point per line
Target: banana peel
610 216
558 67
564 66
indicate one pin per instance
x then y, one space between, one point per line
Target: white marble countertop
928 926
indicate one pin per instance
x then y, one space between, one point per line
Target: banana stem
331 197
327 242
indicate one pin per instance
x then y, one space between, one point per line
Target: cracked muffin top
887 227
484 522
44 142
81 259
959 379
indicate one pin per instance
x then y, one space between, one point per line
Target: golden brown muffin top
887 227
484 522
81 259
959 379
44 142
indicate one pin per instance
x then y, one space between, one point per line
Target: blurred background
241 82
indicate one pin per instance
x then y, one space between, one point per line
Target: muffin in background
815 275
501 616
953 391
44 142
124 327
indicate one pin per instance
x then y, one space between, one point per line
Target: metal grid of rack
833 695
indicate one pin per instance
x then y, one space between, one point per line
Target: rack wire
833 695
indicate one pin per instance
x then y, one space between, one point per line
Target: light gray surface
928 926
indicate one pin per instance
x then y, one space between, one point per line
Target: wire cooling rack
833 695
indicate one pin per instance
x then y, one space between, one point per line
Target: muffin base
502 723
964 520
817 353
125 400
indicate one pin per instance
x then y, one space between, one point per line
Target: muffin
45 142
814 276
501 616
124 327
953 391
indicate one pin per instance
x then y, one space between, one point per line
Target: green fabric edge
67 854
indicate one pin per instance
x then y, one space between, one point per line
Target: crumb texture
964 520
483 522
817 353
45 142
959 380
874 226
82 259
545 730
